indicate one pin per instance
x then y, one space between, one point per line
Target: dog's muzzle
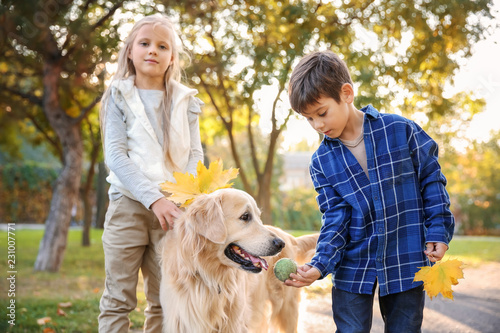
251 262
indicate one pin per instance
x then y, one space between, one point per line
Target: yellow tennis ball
284 267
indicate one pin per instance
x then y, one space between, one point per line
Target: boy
383 199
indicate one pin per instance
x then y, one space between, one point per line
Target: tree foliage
472 168
474 182
401 55
52 65
21 183
53 54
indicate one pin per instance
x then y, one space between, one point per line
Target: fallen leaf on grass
48 330
188 187
60 312
43 321
440 277
95 290
64 305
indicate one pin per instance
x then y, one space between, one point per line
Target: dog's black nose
279 243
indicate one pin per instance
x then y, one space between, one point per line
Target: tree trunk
53 244
86 196
87 219
102 196
265 181
264 194
264 200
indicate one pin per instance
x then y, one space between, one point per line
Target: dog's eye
246 217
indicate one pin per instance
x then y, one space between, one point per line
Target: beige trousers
130 238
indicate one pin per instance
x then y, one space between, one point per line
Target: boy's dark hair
319 74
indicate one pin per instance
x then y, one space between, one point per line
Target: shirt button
379 259
380 230
375 197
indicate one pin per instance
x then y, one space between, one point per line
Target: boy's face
327 116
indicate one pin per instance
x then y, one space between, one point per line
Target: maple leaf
187 187
215 177
43 321
440 277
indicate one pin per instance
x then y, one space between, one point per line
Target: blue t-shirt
375 229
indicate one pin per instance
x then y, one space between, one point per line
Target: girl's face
151 54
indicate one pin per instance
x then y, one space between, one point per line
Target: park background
432 61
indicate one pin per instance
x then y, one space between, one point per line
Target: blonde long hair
126 68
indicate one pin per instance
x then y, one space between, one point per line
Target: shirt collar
369 110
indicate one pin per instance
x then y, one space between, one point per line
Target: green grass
298 233
81 280
474 250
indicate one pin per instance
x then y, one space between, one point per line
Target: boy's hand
166 212
305 276
435 251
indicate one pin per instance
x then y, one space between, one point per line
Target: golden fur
203 290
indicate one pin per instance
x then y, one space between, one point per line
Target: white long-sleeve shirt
133 181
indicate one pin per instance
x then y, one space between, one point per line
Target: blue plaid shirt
375 229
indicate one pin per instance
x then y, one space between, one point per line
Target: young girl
150 129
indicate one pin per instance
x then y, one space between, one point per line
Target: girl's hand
305 276
166 212
435 251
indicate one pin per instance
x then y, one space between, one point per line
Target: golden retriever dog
281 303
283 314
214 276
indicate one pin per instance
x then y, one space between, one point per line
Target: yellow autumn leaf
215 177
187 186
440 277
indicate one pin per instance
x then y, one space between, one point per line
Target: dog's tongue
256 261
263 262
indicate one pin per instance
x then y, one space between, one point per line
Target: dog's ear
208 218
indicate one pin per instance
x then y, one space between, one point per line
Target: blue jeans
401 312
